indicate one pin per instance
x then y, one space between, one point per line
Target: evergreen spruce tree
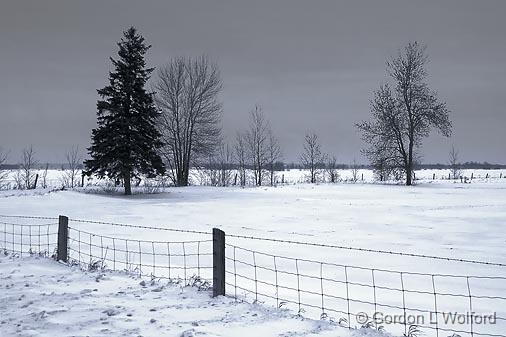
126 140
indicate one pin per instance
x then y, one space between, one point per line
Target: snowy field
57 178
440 217
43 298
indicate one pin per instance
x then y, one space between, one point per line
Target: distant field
55 178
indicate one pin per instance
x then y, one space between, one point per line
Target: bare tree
18 179
354 171
190 113
403 115
273 155
28 166
257 139
331 169
312 158
3 172
453 160
240 156
73 161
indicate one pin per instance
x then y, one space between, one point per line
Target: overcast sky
312 65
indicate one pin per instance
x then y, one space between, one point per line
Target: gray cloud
311 64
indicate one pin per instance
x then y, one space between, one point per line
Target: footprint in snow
188 333
111 312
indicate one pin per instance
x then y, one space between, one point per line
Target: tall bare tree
453 160
273 155
403 114
190 113
241 157
74 161
312 158
257 139
28 167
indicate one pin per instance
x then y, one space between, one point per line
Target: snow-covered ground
40 297
441 217
54 178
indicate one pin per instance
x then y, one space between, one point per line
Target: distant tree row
26 173
177 124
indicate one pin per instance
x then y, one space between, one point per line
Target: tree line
173 124
176 126
30 172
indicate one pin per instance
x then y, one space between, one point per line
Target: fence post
218 262
63 234
36 179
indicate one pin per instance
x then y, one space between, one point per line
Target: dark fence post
63 234
36 179
218 262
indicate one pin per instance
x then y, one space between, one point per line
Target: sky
311 65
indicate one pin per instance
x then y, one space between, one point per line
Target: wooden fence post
63 234
35 183
218 262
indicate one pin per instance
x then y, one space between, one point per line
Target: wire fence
355 296
27 239
187 261
399 301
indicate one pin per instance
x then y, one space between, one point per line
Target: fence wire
355 296
188 261
24 238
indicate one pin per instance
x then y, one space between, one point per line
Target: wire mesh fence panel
28 236
188 261
401 302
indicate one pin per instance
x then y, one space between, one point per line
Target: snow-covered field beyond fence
436 217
